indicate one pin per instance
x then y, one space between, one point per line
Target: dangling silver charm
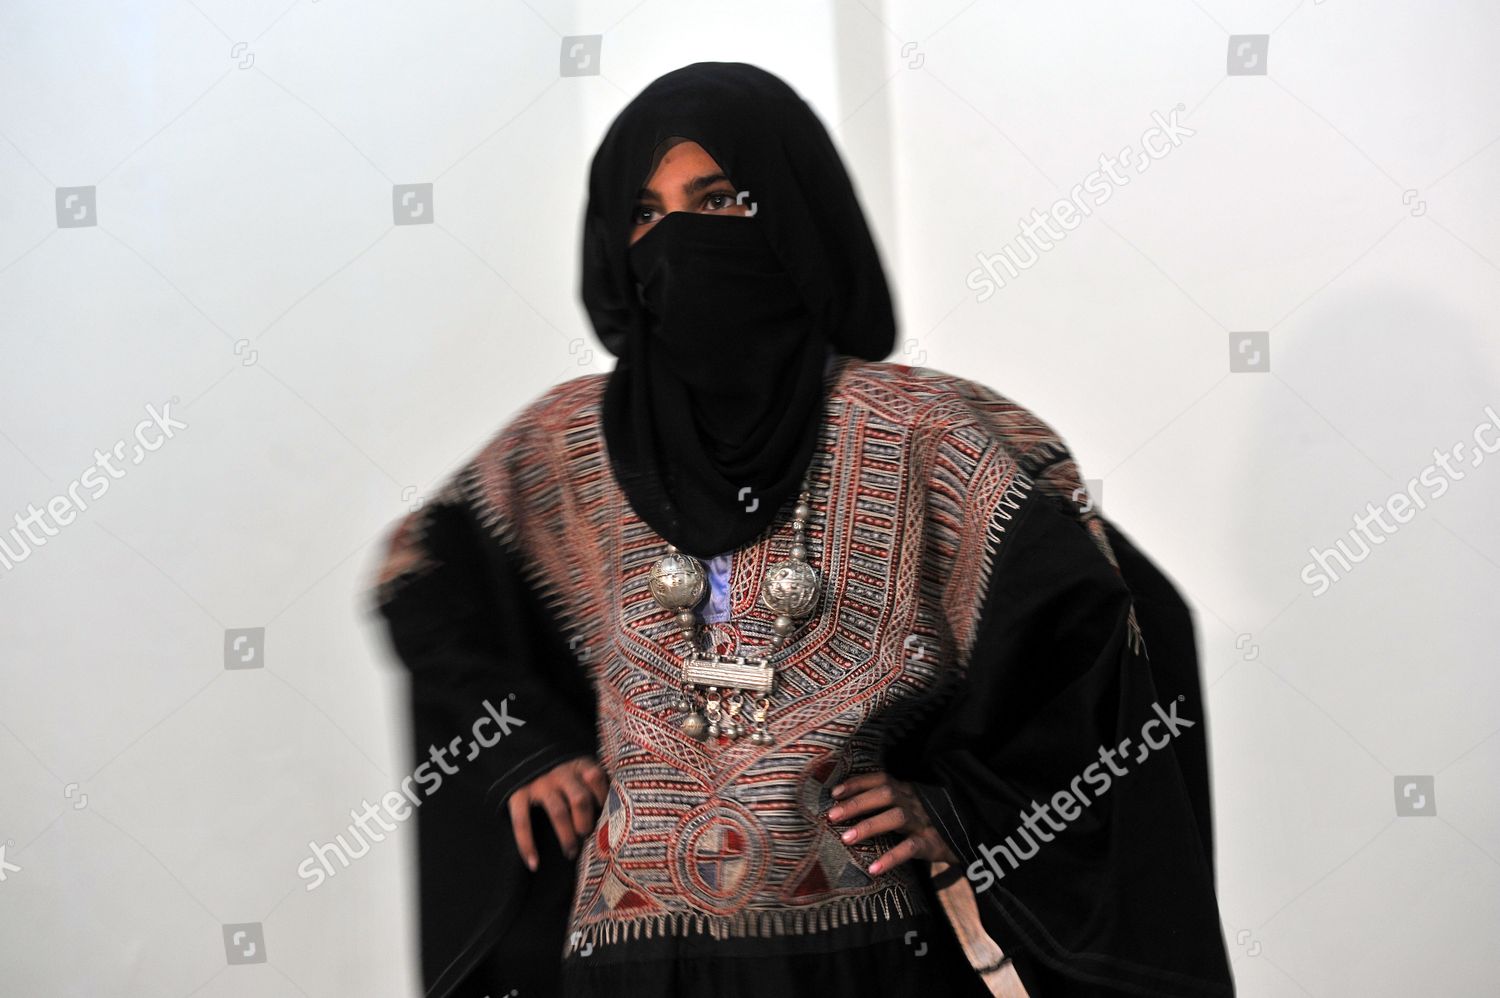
694 724
734 729
762 736
711 708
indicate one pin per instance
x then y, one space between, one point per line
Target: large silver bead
695 725
790 587
677 581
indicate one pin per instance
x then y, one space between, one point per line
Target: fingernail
837 790
833 813
531 862
875 867
849 835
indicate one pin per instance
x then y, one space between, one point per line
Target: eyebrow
691 187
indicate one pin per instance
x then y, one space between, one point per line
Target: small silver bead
784 625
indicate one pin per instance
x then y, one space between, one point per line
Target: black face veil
722 323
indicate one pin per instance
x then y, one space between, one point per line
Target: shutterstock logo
36 526
1068 804
1038 234
1329 565
398 804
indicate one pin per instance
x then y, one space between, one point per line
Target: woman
811 663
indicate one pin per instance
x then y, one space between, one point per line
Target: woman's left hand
892 806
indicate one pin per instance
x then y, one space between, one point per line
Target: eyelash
711 194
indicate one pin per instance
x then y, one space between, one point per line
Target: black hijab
722 324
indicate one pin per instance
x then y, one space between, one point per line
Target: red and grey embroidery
915 479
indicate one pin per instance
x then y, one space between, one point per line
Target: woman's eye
641 211
720 200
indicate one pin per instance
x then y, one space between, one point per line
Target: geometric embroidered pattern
914 479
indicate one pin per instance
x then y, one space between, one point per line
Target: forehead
683 156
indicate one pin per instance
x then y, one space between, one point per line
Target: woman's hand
893 806
570 793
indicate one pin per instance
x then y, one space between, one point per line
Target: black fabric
720 321
927 961
1121 900
471 630
719 403
1167 625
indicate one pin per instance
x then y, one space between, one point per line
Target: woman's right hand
570 793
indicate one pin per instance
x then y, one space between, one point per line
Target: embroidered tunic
712 864
704 842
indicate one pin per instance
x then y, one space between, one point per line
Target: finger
908 848
562 823
854 784
581 804
890 820
520 823
593 775
876 799
942 850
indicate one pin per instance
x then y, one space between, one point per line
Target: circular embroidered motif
723 638
721 855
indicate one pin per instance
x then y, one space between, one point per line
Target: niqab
722 323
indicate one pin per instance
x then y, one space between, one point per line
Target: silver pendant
738 672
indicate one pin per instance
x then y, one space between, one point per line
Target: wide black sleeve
478 643
1057 775
465 623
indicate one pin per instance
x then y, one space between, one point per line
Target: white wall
331 366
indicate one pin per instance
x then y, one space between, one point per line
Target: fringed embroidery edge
751 922
408 557
1006 506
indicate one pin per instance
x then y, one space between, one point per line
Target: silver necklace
716 690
